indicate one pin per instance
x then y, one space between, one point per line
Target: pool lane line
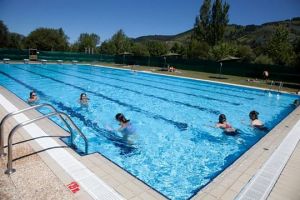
167 84
91 183
180 125
64 108
160 88
140 93
216 85
124 148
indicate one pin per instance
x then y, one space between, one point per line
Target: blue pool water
175 150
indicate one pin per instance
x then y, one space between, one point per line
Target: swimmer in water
126 127
33 98
84 100
254 121
228 129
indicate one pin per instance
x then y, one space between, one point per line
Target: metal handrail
10 170
271 84
280 86
2 153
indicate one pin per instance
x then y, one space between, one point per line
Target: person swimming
84 100
296 103
255 122
228 129
126 127
33 98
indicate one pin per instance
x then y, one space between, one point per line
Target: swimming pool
175 150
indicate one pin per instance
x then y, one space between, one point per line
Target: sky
135 17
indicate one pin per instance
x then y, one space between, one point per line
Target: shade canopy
229 58
125 53
170 54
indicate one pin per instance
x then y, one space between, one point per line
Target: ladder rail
10 170
6 117
271 85
280 86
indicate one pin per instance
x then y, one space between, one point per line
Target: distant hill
252 35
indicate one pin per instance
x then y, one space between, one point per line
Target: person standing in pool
83 100
126 127
33 98
228 129
254 121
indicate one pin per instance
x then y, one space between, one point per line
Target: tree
4 35
245 53
119 43
219 21
87 40
139 49
222 50
47 39
178 48
198 49
157 48
16 41
107 47
209 27
263 59
202 22
279 47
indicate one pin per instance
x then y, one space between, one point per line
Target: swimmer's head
82 95
32 94
253 115
121 118
296 102
222 118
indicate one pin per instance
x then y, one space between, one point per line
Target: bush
263 59
222 50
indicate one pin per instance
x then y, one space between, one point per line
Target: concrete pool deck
39 177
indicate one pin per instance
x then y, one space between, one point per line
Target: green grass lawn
206 76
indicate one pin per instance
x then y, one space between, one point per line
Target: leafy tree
107 47
16 41
198 49
87 40
157 48
118 44
47 39
139 49
296 61
202 22
121 42
263 59
279 47
245 53
222 50
4 35
211 23
219 21
178 48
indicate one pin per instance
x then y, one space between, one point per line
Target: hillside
250 35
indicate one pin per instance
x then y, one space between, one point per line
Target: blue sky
135 17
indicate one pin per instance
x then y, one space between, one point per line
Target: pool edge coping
205 81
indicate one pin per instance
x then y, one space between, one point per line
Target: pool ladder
280 85
54 112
